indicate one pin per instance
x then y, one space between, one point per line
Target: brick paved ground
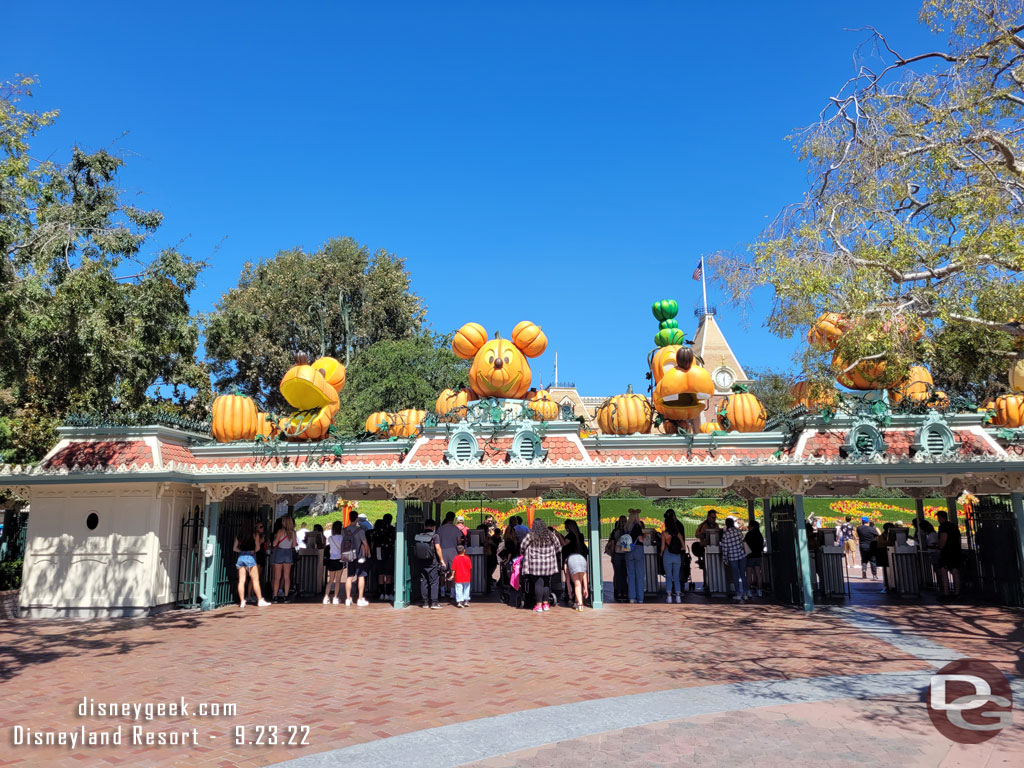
837 734
355 675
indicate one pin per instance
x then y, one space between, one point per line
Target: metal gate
234 514
784 573
992 569
415 515
190 560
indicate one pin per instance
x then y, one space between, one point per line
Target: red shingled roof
175 452
496 450
897 443
679 453
105 453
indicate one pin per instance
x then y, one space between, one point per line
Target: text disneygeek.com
24 735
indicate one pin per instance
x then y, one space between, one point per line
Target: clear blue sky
566 163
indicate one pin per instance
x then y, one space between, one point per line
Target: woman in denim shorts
245 546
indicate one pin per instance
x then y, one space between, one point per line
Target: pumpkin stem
301 358
629 389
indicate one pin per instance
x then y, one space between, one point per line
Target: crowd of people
528 563
943 547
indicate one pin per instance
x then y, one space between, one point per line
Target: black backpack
423 546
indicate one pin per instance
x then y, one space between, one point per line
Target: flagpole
704 284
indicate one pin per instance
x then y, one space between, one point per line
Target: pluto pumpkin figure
312 390
684 390
500 367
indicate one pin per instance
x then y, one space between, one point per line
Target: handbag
747 550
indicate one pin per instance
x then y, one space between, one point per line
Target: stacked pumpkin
682 388
826 332
312 390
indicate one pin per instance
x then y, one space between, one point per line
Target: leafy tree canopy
915 206
89 321
772 388
395 374
338 300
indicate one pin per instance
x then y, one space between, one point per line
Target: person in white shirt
300 537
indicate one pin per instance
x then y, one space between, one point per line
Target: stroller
520 594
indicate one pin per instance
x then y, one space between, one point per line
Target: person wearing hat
365 524
460 523
867 542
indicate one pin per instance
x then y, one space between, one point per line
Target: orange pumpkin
1009 411
916 386
541 405
662 359
744 412
939 400
305 388
380 422
1017 377
407 422
451 405
827 330
264 426
312 424
868 374
811 396
468 340
529 338
500 369
333 371
234 418
710 427
684 391
625 415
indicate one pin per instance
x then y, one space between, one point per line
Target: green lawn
691 510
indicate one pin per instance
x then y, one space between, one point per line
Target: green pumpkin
668 324
665 309
668 336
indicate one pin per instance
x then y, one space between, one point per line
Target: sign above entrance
693 482
300 487
922 481
510 484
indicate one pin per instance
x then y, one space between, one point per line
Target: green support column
401 553
766 528
803 559
751 517
1017 499
951 510
596 551
211 564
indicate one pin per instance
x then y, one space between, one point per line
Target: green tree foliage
395 374
89 322
772 388
915 205
337 300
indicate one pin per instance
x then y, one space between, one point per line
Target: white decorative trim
420 441
574 438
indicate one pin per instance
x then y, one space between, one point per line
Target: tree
78 332
913 216
335 301
392 375
772 388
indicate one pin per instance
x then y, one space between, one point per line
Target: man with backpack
427 549
355 553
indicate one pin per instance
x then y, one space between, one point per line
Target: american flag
698 273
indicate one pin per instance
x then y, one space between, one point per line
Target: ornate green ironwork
140 418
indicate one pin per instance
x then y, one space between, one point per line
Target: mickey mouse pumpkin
500 367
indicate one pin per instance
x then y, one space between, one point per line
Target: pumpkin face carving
315 399
684 391
500 367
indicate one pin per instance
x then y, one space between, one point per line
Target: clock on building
724 379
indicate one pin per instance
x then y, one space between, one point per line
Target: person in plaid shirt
735 556
540 561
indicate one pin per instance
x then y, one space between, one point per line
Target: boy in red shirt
462 567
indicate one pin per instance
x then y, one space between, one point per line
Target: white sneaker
348 601
262 603
668 598
362 603
327 601
241 605
336 601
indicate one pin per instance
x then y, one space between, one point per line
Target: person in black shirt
574 556
867 539
950 555
755 543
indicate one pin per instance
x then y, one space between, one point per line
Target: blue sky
566 163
